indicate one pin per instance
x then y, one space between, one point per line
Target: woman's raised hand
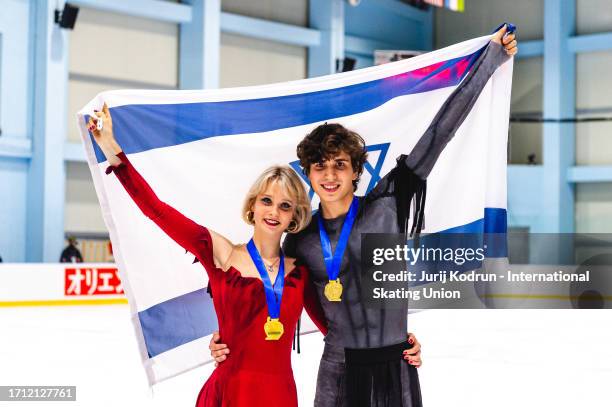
104 137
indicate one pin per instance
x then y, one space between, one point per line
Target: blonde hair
290 182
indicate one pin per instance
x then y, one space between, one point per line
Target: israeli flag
200 151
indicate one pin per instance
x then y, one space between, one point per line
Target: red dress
257 372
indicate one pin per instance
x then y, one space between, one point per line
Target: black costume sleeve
289 244
454 111
406 182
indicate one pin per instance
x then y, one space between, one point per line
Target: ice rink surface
472 358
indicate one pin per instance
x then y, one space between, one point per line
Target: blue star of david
373 170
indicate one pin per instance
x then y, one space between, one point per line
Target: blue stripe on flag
164 125
494 221
488 233
177 321
493 227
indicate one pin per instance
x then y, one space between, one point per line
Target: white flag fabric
201 150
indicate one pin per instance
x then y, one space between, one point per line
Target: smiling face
273 209
333 158
332 178
277 202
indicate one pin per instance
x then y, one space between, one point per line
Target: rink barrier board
57 284
52 303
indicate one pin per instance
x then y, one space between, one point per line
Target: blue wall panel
14 68
13 181
558 142
412 29
47 174
524 188
14 115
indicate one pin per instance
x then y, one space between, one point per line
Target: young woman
257 292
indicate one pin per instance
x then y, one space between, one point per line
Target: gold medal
274 329
333 290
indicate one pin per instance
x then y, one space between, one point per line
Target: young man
361 363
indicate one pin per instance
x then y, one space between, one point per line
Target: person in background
71 254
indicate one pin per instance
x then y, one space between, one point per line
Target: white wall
594 208
83 213
593 16
526 138
594 140
110 51
285 11
594 93
268 61
248 61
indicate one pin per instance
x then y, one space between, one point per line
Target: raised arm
187 233
459 104
198 240
407 181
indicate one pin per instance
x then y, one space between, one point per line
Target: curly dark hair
327 141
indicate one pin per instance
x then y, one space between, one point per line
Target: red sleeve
313 306
187 233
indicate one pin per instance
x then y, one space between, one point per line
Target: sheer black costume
386 209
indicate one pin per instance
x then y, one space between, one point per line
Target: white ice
473 358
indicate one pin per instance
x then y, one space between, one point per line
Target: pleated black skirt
375 377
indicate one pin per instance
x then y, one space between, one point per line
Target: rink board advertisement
60 284
201 150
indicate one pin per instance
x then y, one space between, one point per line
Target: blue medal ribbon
334 261
274 293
